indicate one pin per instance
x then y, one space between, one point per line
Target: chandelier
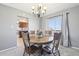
39 10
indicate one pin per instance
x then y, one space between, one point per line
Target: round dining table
41 40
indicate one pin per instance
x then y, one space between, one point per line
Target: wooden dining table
41 40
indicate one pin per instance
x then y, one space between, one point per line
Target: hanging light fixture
39 10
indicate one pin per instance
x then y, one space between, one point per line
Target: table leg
41 51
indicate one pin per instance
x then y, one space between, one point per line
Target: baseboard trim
8 49
75 47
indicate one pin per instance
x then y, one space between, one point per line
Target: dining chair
46 47
32 32
56 40
48 33
55 45
30 48
26 41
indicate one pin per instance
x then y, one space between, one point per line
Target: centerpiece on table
40 34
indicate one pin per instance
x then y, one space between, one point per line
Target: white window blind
55 23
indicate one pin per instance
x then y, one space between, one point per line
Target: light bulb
33 7
40 5
43 11
45 8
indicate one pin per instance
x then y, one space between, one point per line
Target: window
55 23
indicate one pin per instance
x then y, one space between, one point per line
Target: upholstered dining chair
56 41
26 41
55 45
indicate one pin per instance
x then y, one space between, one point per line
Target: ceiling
51 7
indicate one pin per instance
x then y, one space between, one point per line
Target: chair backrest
32 33
26 39
48 33
57 37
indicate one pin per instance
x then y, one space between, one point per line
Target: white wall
74 26
8 25
33 24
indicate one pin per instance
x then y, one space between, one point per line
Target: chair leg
58 52
52 49
29 50
55 52
24 52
